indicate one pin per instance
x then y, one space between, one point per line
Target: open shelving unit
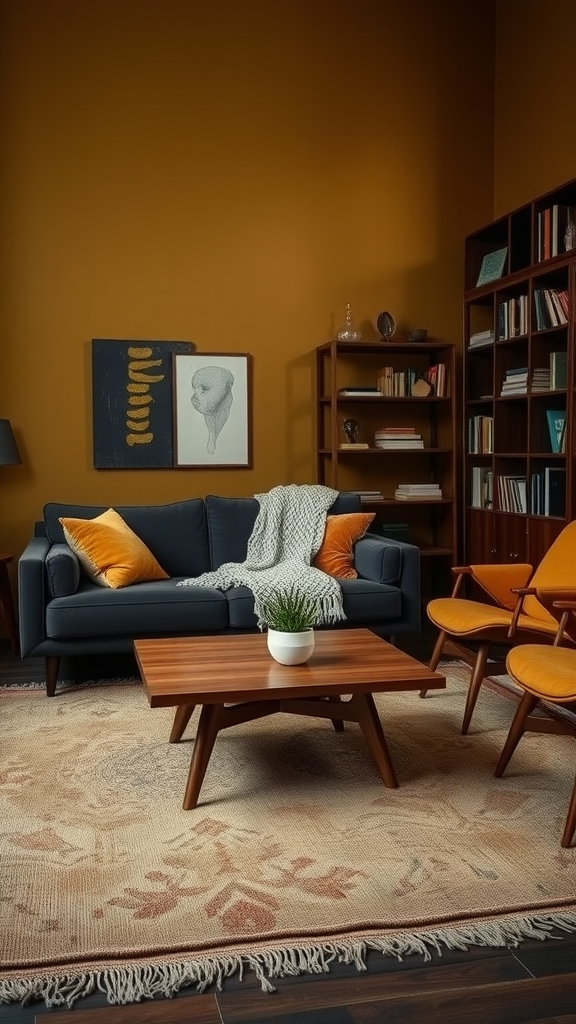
430 523
520 486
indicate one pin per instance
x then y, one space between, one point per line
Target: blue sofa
63 613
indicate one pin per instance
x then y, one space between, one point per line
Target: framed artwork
132 403
212 414
492 266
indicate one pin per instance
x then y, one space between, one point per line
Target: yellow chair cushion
336 554
460 617
547 672
110 553
556 571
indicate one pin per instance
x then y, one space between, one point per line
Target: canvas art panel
132 403
212 409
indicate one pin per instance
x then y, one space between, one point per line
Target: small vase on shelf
348 332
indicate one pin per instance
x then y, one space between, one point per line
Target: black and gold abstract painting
132 404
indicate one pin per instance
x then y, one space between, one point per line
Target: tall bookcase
428 522
519 380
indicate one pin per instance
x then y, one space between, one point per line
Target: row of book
480 435
402 383
394 438
551 307
513 317
552 230
547 491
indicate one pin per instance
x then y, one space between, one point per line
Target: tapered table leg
371 726
181 718
203 746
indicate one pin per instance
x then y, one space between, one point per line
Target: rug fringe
132 983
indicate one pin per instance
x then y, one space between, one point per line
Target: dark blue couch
62 612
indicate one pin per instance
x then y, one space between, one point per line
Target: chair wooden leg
436 655
474 685
52 666
526 705
570 820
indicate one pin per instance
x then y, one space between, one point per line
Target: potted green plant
290 616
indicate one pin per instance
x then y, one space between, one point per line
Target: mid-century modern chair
514 616
545 674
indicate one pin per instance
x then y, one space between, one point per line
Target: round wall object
386 325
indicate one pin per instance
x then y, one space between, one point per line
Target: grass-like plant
290 611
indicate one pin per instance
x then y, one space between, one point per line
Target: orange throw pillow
336 554
111 554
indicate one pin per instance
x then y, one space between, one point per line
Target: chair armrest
371 561
32 594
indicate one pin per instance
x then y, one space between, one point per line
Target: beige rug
297 854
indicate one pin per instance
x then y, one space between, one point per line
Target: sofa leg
436 655
52 666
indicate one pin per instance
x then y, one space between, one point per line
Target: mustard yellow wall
535 140
230 172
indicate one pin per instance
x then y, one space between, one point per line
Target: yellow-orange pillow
110 553
336 554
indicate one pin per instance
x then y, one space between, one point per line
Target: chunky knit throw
287 534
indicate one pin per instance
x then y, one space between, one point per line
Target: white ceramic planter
290 648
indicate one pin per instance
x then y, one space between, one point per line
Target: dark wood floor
534 983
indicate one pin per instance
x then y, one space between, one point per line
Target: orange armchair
545 674
516 614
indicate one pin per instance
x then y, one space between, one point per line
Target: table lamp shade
9 454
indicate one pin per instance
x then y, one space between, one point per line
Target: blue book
556 428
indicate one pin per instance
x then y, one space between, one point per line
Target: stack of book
398 437
356 391
515 382
481 338
418 492
368 497
541 379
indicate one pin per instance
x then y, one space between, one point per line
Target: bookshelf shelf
520 372
431 522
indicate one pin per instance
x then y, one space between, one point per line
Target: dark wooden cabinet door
511 535
480 543
542 534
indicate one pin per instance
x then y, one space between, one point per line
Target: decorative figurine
348 332
351 429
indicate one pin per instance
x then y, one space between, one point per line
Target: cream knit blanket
287 534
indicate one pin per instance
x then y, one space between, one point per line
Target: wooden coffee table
235 679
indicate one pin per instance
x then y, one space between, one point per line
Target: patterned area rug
296 855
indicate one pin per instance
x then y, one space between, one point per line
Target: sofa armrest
32 594
395 563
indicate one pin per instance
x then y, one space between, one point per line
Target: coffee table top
232 669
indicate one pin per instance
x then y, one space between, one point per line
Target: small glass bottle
348 332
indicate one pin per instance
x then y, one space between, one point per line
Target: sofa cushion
230 522
175 533
146 609
110 553
63 571
365 601
336 554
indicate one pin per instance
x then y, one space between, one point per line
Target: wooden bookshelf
430 522
519 492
